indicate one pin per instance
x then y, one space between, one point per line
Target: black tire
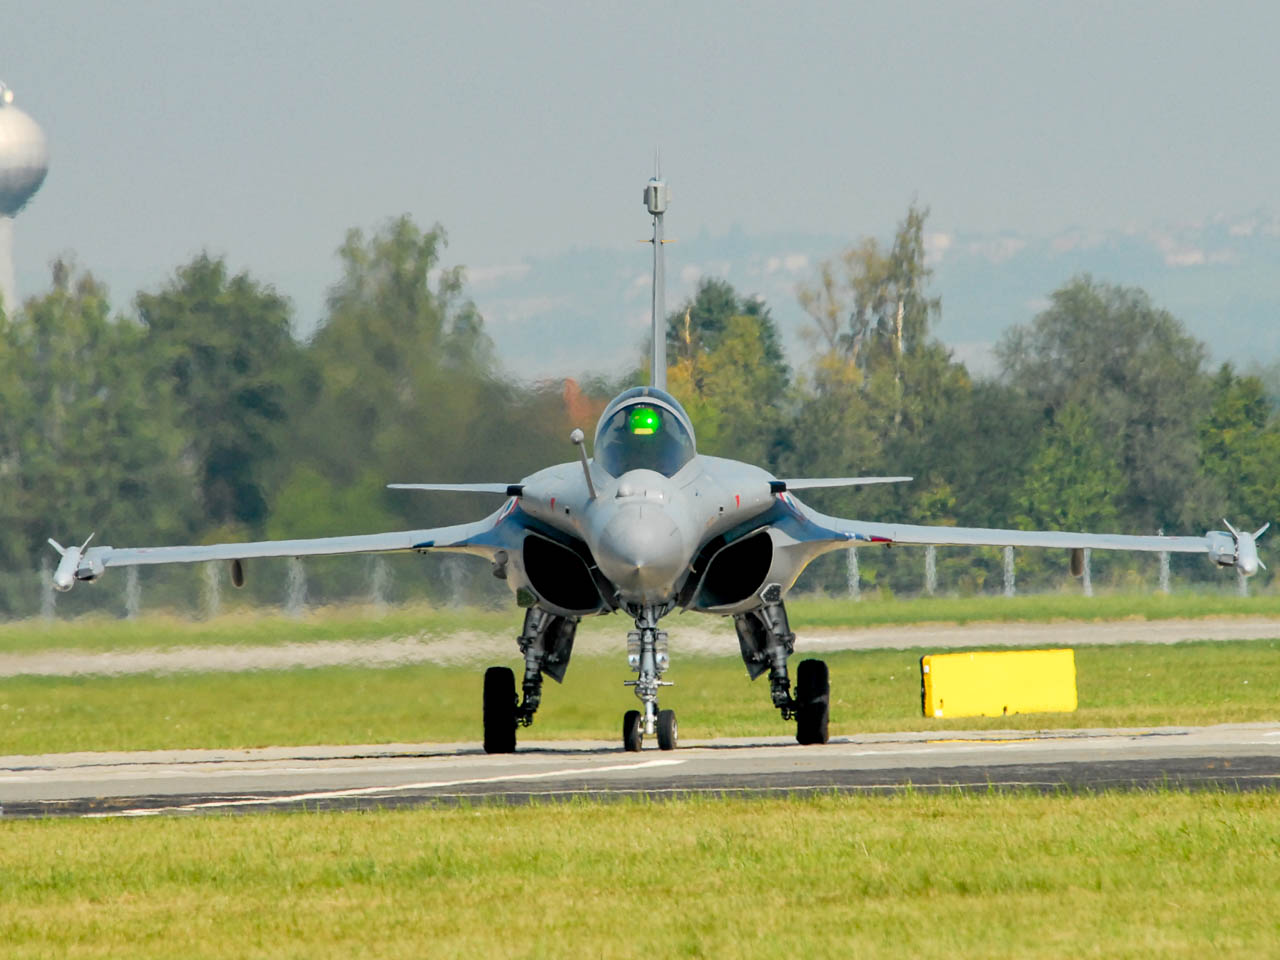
667 730
632 731
499 710
813 699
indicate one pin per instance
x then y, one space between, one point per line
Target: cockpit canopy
644 429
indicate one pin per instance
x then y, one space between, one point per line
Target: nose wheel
632 731
666 728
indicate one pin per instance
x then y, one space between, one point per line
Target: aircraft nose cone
642 552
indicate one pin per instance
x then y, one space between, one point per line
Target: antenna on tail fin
656 197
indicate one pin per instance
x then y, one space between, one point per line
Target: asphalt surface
1227 757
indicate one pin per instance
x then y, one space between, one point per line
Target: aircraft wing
507 489
813 483
1235 548
89 563
988 537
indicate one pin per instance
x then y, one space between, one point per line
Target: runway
1229 757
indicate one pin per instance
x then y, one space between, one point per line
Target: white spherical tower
24 161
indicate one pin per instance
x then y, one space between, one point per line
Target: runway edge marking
371 791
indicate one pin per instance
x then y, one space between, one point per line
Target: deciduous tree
223 346
87 441
1132 366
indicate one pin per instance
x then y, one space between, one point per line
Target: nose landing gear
647 656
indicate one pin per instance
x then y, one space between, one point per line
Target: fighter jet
646 526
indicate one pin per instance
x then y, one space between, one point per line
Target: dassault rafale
646 525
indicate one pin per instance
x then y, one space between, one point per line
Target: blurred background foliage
194 414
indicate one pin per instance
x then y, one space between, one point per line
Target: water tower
24 160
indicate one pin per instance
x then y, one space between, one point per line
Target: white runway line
372 791
75 774
980 746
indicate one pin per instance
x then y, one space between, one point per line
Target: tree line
198 415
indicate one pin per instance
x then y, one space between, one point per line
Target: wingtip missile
1237 549
73 566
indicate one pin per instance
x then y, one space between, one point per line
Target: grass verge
252 627
814 611
266 626
1115 875
1127 685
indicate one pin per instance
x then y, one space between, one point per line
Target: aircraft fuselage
642 529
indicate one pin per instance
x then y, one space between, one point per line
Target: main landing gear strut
547 643
766 642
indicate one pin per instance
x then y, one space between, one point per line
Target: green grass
993 876
354 622
1133 685
1043 607
264 627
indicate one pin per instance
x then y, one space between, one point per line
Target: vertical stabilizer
656 197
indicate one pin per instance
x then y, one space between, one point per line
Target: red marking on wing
881 540
737 499
553 503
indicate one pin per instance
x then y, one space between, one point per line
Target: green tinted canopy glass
644 436
644 421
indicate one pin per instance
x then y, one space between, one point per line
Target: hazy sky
264 130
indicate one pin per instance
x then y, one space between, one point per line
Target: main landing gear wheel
813 698
632 731
667 730
499 710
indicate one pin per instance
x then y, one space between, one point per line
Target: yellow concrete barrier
995 684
